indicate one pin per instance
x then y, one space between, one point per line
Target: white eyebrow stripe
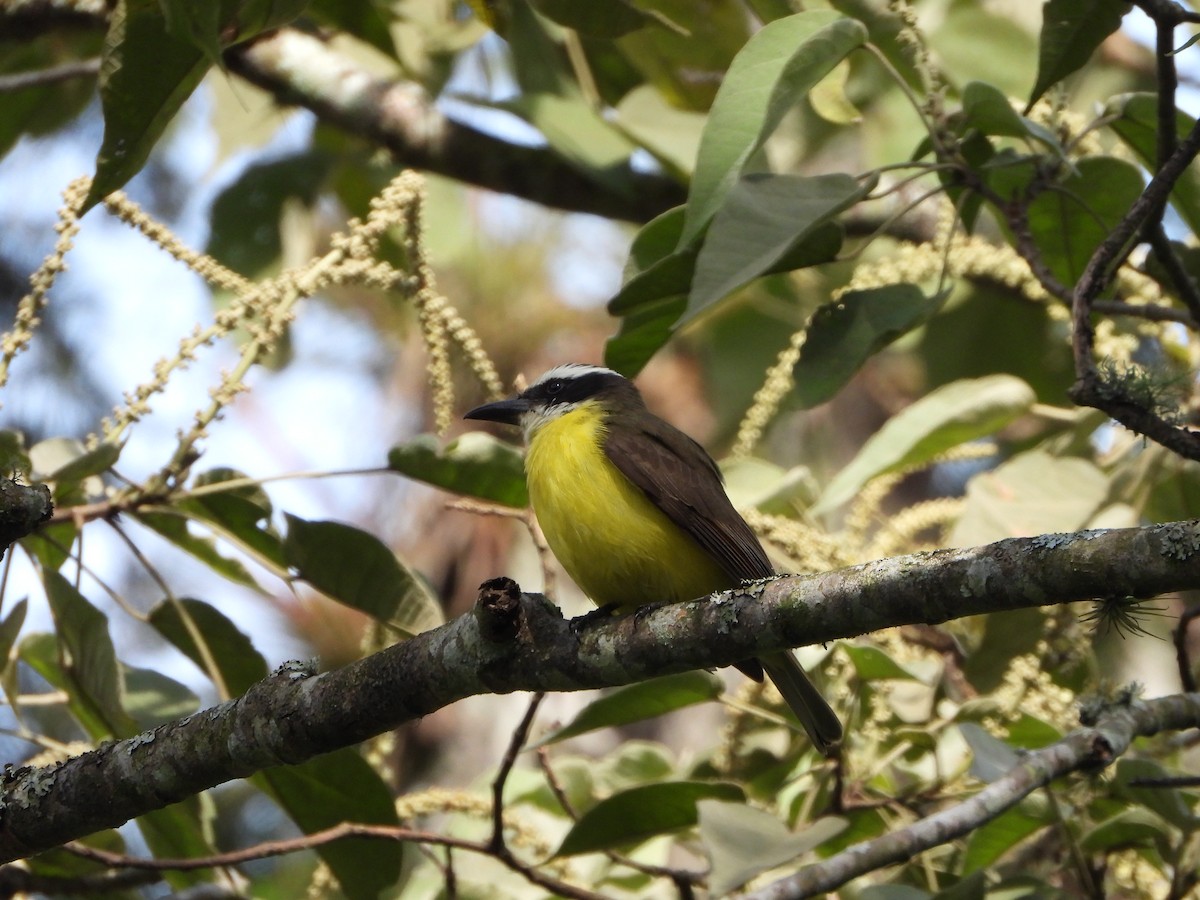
574 370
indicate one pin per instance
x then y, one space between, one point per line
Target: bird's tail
818 718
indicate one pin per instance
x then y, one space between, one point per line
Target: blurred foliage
848 280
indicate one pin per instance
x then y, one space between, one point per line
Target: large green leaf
1167 802
236 658
146 75
88 660
357 569
474 464
845 334
1135 121
341 787
1070 221
743 842
1133 826
152 698
1032 493
643 332
1006 635
175 529
241 513
951 415
599 18
777 67
763 221
637 702
1072 30
246 217
996 837
632 816
987 108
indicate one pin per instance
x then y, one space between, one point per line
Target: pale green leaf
951 415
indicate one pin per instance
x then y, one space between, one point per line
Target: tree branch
300 70
515 642
1085 749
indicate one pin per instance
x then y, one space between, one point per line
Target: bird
636 511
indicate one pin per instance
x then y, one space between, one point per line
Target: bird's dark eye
553 386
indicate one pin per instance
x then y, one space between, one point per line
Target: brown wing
681 479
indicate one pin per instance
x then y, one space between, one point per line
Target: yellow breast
613 542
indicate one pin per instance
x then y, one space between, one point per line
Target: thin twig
338 832
519 736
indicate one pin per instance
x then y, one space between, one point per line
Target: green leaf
1130 828
991 758
179 831
174 528
951 415
341 787
655 268
845 334
240 514
1032 493
88 660
778 66
355 568
639 813
986 108
67 462
10 630
1006 636
1135 122
872 664
152 698
743 842
146 75
1069 222
637 702
1072 30
236 658
994 838
1165 801
764 219
643 332
474 464
246 216
598 18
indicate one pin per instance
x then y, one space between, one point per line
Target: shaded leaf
65 461
341 787
642 812
474 464
1069 222
637 702
10 630
241 514
1072 30
246 216
146 75
743 842
872 664
764 219
845 334
1135 122
88 660
777 67
152 698
1165 801
239 663
1006 636
599 18
994 838
643 332
1131 827
175 529
951 415
355 568
179 831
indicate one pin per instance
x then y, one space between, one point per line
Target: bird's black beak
507 411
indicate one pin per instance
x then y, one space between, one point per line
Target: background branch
1085 749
